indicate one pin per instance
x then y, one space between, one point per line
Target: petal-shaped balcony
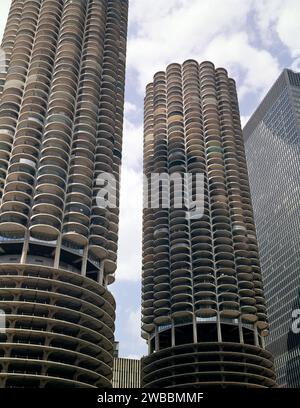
179 298
97 246
16 196
43 232
47 209
75 232
52 170
46 198
78 208
48 186
182 309
11 231
14 218
161 288
78 198
249 314
161 233
229 309
6 135
206 308
180 274
15 206
22 142
18 186
161 279
45 219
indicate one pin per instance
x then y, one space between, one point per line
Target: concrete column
195 334
57 252
25 248
219 330
149 345
256 338
101 274
263 344
156 340
173 335
44 369
241 332
47 341
84 260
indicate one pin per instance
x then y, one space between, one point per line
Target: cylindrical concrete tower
61 119
204 313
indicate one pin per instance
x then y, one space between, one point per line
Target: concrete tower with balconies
61 119
203 307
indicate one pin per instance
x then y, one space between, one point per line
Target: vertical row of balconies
9 37
200 229
148 228
21 37
179 233
29 147
109 149
53 192
160 220
207 266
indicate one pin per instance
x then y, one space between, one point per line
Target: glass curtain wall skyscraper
204 314
61 119
272 140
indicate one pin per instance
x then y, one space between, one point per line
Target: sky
253 39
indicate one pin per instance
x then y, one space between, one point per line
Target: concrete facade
61 120
204 313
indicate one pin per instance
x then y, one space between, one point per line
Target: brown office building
204 313
61 113
126 373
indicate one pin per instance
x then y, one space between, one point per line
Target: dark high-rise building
272 140
61 113
204 314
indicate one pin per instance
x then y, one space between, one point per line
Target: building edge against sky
272 141
203 307
61 120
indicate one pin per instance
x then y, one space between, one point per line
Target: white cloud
132 144
266 15
4 9
130 236
277 18
254 69
288 27
178 31
134 321
133 356
129 108
135 343
131 203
